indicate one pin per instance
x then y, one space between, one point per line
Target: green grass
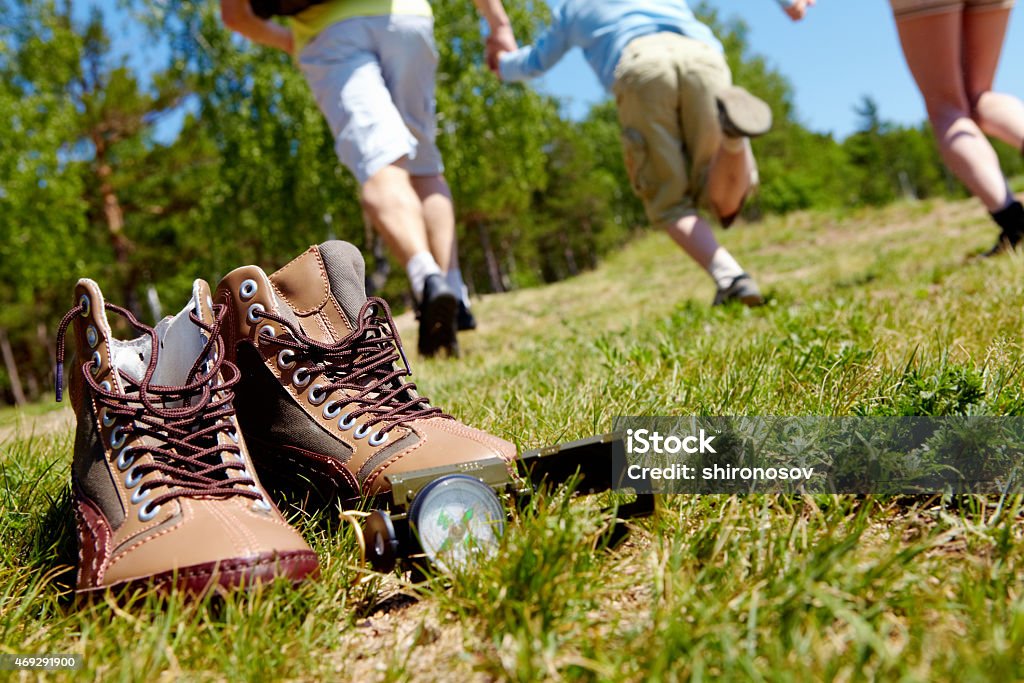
871 313
17 417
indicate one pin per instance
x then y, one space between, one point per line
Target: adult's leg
393 204
410 60
439 216
347 76
933 47
395 210
998 114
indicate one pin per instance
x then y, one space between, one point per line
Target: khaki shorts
904 9
665 88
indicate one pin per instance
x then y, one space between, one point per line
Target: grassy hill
874 312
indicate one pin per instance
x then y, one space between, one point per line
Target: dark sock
1011 220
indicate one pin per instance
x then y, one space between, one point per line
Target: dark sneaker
438 312
163 486
1006 244
742 289
1011 222
742 114
323 400
465 320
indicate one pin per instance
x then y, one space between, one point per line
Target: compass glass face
457 518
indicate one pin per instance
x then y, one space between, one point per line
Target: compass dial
457 517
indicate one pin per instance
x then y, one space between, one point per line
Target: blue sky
843 50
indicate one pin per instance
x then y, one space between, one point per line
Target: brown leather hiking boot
323 400
164 489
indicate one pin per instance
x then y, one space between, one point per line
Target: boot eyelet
301 377
247 290
331 410
106 386
377 439
282 361
148 511
86 305
267 331
108 419
118 437
133 478
255 313
260 503
139 495
125 460
317 394
96 361
92 336
362 431
346 422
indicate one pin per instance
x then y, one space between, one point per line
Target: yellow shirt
310 22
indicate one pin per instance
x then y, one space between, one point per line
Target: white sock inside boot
180 343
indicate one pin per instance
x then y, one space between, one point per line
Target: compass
450 516
457 518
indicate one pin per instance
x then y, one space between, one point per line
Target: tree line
86 188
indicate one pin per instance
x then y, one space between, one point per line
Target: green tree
43 237
116 117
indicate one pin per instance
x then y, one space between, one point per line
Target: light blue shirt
603 28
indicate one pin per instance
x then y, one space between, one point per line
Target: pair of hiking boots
290 383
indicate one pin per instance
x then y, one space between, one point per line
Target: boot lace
363 366
183 421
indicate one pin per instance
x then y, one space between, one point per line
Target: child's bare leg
696 237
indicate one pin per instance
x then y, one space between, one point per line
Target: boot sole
745 114
93 537
210 577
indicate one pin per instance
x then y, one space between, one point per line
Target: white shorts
373 78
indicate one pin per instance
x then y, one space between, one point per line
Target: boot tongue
324 287
181 340
179 343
